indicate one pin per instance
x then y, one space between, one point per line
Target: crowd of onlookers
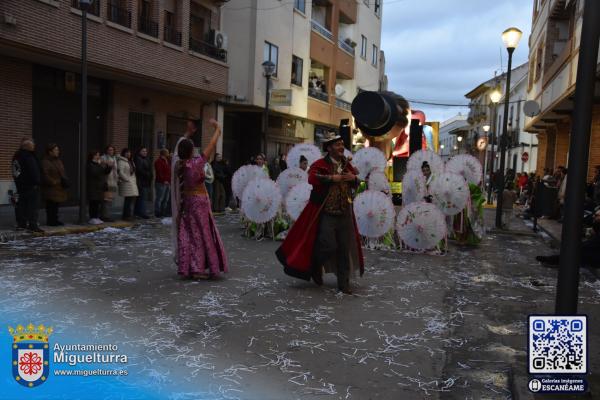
129 175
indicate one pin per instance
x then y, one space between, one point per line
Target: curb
8 236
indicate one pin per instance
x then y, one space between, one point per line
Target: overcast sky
438 50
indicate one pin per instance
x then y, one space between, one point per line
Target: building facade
450 131
151 65
324 51
553 55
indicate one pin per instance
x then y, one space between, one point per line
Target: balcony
317 27
346 47
118 15
94 7
348 11
172 35
147 26
208 49
318 94
342 104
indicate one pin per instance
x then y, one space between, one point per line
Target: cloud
438 50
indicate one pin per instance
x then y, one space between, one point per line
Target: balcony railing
118 15
148 26
346 47
319 95
172 35
207 49
343 104
322 30
94 7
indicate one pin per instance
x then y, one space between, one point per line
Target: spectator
228 191
303 163
522 182
275 169
54 184
282 162
97 173
596 185
562 191
127 182
112 181
162 184
509 197
219 195
209 179
27 177
143 173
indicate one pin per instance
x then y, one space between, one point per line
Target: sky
439 50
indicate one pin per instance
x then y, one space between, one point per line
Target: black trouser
51 212
95 206
27 208
127 203
333 240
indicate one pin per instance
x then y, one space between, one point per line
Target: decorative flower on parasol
374 213
244 175
261 200
466 166
297 199
310 151
450 193
367 160
379 182
414 187
290 178
418 157
421 225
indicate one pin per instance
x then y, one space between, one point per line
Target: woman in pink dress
200 252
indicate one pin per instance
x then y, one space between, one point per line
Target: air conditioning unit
218 39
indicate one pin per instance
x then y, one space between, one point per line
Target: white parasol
297 198
367 160
418 157
421 225
261 200
379 182
310 151
290 178
244 175
466 166
374 213
348 154
450 193
414 187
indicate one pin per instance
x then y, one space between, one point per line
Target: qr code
557 344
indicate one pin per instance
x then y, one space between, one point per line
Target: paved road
418 326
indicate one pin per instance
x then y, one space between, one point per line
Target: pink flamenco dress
199 246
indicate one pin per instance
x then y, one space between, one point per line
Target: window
300 5
297 70
363 46
374 56
538 63
512 110
366 2
378 7
271 53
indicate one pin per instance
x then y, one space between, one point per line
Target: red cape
296 252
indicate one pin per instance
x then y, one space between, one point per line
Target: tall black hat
375 113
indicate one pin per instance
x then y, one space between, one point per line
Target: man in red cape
325 234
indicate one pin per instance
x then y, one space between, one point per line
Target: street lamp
511 38
269 70
495 97
459 138
486 128
84 5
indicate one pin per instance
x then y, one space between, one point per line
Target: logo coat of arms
30 354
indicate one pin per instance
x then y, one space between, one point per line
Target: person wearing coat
112 181
143 173
54 184
96 185
127 182
27 175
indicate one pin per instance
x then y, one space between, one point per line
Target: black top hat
374 113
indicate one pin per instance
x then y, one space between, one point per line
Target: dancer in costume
201 254
326 234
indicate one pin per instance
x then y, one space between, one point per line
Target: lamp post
495 97
269 70
84 5
511 38
567 284
459 138
486 130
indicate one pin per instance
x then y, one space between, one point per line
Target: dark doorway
141 132
241 137
56 116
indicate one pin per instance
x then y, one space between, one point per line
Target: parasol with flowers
374 213
367 160
310 151
450 193
421 226
261 200
466 166
379 182
290 178
414 187
297 198
244 175
433 159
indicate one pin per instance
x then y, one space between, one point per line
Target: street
418 326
